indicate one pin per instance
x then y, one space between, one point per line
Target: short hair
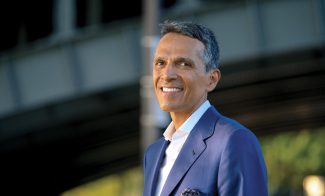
210 56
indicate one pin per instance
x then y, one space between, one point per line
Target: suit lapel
191 150
155 166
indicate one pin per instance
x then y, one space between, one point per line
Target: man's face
180 79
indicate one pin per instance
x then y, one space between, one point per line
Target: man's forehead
181 37
170 54
179 45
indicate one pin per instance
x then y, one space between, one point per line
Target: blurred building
70 69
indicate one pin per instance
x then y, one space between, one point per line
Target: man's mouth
168 90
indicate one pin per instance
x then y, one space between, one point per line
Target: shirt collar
188 125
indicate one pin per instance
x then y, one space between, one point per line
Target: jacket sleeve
242 171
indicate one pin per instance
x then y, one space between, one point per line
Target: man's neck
180 117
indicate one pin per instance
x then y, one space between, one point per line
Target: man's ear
214 77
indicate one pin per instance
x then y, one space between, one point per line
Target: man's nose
169 72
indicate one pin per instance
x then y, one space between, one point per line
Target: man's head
185 67
210 55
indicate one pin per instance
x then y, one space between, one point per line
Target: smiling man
201 151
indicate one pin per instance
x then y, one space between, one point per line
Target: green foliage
292 156
128 183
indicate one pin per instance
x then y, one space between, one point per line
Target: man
202 152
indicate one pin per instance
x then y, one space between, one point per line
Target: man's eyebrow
158 59
176 59
185 59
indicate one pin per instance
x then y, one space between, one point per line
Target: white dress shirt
177 138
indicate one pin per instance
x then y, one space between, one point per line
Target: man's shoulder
156 145
230 124
225 123
228 127
232 131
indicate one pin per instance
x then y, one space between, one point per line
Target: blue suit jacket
219 157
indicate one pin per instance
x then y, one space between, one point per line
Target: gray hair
210 56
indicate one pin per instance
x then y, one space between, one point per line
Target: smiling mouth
168 90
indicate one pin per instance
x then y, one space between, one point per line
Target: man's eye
184 64
159 63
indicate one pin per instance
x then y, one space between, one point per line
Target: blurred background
76 105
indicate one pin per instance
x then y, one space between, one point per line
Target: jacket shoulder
152 148
228 131
231 126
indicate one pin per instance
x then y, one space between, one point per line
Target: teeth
171 89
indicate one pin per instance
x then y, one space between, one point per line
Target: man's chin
169 107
